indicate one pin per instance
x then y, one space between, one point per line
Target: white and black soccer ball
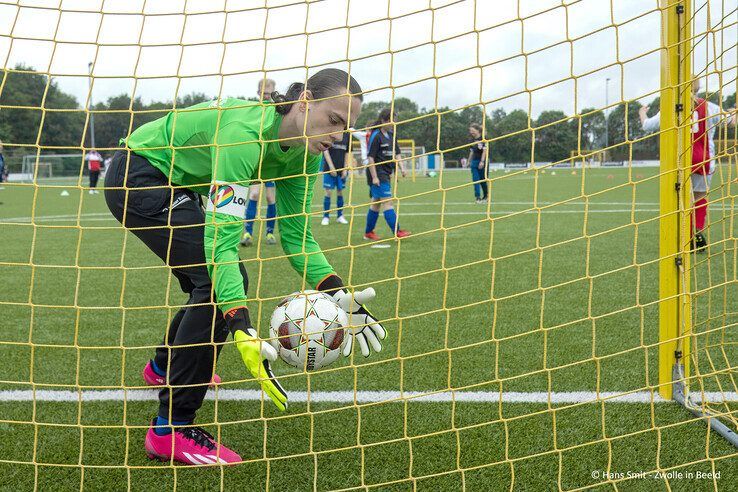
308 330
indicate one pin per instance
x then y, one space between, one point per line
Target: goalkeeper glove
257 355
366 329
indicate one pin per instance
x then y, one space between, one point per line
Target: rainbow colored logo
221 195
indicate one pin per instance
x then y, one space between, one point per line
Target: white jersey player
706 117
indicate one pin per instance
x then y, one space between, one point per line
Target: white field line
62 217
479 210
470 203
628 207
92 217
105 216
363 396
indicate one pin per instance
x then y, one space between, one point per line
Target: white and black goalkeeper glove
364 327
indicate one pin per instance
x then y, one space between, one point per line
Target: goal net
554 320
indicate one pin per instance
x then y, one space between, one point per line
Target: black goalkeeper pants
170 221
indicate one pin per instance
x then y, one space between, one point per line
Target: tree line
62 125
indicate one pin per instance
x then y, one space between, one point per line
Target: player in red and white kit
94 164
705 118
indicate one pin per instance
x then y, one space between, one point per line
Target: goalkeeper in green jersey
211 152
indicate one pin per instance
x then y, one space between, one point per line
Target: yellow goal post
696 314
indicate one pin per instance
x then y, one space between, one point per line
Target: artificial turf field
540 292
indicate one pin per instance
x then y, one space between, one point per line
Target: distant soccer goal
414 156
415 160
45 166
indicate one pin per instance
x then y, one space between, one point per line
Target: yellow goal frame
675 305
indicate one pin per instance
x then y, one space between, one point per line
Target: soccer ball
308 330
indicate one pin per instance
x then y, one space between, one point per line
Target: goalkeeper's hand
364 326
257 355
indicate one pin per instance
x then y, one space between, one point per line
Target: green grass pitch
555 293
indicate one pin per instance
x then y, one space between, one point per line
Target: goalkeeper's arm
223 224
221 240
294 196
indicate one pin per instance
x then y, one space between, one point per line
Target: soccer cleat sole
156 457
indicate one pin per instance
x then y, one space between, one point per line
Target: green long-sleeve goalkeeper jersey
216 149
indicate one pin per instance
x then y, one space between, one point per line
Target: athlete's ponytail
384 117
326 83
293 93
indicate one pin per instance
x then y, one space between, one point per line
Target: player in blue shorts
383 156
336 170
264 91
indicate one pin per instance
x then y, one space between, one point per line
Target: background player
478 163
705 118
156 196
94 164
383 156
335 166
2 166
363 138
264 92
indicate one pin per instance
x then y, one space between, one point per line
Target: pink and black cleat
153 379
191 446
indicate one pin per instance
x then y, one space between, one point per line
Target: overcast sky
436 52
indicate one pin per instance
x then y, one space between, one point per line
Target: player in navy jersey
383 156
335 167
264 92
478 163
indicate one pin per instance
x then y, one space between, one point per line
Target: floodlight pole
89 106
607 103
